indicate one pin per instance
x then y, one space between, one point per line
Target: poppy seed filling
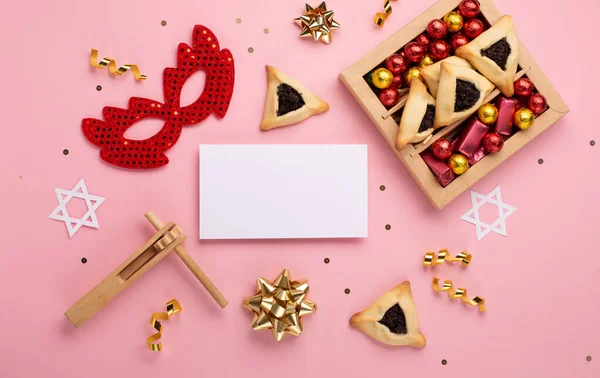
427 121
498 52
467 95
395 320
288 99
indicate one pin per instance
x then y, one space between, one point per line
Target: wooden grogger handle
191 264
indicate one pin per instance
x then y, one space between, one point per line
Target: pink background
539 282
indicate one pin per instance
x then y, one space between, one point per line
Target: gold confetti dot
382 188
163 23
588 358
250 49
266 30
238 20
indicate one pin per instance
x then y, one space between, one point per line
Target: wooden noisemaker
167 238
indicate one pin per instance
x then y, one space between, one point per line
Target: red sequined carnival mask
150 153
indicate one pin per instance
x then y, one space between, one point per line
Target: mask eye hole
192 89
144 129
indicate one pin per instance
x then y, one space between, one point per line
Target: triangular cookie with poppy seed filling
461 91
431 73
392 318
416 123
288 101
495 53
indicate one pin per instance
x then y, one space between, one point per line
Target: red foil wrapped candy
473 28
469 8
493 142
506 112
396 63
479 154
389 97
440 169
414 52
537 104
437 29
458 40
439 49
471 137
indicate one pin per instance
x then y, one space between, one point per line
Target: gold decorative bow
381 17
459 293
317 22
443 255
173 307
112 66
280 305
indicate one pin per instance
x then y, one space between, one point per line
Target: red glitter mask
150 153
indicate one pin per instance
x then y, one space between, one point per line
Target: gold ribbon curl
443 255
381 17
112 66
173 307
459 293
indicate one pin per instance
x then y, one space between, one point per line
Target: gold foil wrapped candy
279 305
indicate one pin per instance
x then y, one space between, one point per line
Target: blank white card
283 191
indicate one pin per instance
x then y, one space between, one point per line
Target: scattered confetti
98 88
250 49
382 188
444 362
347 291
326 260
65 152
588 358
238 20
266 30
83 260
388 227
540 161
163 23
592 142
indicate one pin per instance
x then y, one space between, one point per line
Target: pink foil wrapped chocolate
440 169
506 112
477 155
471 137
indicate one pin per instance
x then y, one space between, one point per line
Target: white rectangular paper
283 191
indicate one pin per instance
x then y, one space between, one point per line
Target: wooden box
353 79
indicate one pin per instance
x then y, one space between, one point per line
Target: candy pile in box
444 76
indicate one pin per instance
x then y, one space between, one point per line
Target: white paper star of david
504 210
73 224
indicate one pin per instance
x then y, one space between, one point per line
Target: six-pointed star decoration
73 224
493 198
317 22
